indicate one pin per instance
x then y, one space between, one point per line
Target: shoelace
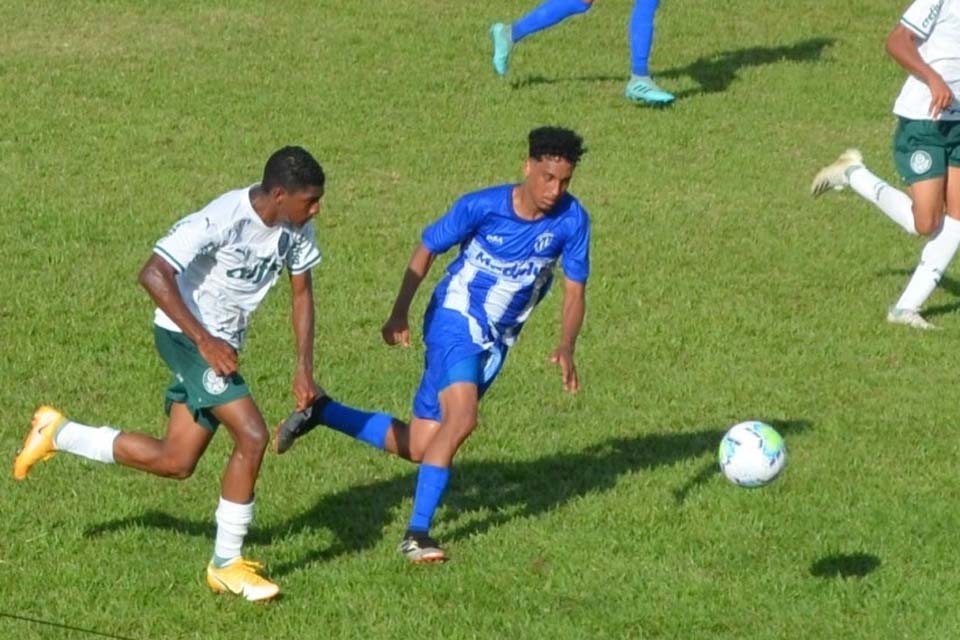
252 564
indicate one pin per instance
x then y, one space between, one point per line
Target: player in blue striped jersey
510 238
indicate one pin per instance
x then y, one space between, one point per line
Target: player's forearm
417 270
303 329
902 47
574 310
160 282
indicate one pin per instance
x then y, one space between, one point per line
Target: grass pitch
719 292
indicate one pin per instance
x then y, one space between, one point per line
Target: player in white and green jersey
207 276
926 149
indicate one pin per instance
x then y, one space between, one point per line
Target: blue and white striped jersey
505 266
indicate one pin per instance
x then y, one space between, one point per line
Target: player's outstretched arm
305 388
574 309
396 330
159 278
902 47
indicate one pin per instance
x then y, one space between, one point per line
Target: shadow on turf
845 565
714 73
485 494
948 284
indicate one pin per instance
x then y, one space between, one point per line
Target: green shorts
194 383
922 149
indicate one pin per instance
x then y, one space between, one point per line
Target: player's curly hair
556 142
292 168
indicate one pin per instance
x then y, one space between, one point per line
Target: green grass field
720 292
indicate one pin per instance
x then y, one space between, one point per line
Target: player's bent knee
253 439
179 469
926 226
463 424
927 219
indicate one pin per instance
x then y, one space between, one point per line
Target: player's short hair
556 142
292 168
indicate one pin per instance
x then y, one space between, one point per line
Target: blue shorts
452 357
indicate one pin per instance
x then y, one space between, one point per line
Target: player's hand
305 389
218 353
564 357
396 330
941 96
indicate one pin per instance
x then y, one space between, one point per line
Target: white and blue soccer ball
752 454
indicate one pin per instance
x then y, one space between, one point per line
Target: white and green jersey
937 24
227 259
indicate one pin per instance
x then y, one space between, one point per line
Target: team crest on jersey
920 162
283 244
213 383
542 242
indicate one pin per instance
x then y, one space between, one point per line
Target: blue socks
431 484
369 427
641 35
546 15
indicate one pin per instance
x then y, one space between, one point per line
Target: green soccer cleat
644 89
502 44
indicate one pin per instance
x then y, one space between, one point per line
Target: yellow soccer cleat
38 444
240 577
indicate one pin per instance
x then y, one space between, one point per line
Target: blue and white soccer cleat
502 44
644 89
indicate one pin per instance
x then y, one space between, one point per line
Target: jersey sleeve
576 251
304 253
921 17
455 226
192 236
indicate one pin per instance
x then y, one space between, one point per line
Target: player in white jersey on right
926 148
207 276
510 238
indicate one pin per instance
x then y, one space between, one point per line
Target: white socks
894 203
94 443
934 260
233 520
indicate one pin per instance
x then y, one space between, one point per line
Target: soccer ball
752 454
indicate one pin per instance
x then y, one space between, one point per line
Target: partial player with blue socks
640 88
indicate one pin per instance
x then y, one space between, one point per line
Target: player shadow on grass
845 565
486 494
714 73
948 284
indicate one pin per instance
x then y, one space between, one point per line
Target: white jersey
937 24
227 260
